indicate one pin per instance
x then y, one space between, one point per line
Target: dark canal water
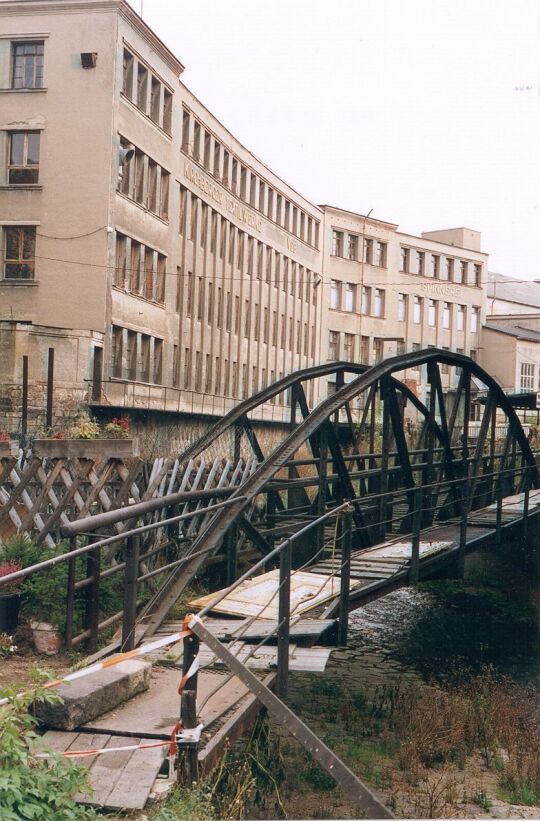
491 618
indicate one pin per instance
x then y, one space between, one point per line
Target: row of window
210 303
148 93
419 304
449 269
144 181
136 356
351 347
350 246
139 269
203 225
217 160
344 297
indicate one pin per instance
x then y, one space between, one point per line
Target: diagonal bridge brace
367 802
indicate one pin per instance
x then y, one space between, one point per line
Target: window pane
12 243
17 149
29 243
33 148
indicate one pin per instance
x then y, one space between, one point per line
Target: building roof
515 330
510 289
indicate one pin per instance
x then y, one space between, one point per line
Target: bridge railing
394 515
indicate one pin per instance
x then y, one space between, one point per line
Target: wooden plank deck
118 780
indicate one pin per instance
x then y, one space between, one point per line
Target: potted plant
44 605
85 440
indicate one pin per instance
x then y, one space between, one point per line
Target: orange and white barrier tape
103 750
191 672
111 662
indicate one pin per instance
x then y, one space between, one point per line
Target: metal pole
414 570
188 761
92 598
525 525
131 573
50 383
70 599
284 617
463 528
24 398
345 578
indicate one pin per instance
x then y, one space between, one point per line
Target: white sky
407 107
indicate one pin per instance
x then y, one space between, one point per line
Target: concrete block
89 697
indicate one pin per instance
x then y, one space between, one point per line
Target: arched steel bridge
378 458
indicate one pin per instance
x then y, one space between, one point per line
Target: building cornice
369 220
33 7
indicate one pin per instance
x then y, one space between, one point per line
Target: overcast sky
426 111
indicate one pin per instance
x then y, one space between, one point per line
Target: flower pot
86 448
8 448
47 637
9 612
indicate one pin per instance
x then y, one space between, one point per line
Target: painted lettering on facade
441 289
227 202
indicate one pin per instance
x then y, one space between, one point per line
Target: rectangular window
142 87
378 350
460 317
527 376
368 251
352 251
333 346
378 302
131 355
116 352
364 350
402 307
348 297
135 273
337 243
405 259
175 367
380 254
23 166
477 275
196 141
446 315
121 263
186 118
160 279
474 320
198 370
225 174
164 195
138 194
19 252
243 181
148 273
167 111
27 65
217 157
464 271
127 77
334 295
208 376
155 100
366 299
207 149
449 269
432 313
151 194
435 265
417 310
420 262
348 347
145 358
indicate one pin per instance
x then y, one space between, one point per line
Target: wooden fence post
93 571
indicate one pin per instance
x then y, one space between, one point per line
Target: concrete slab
87 698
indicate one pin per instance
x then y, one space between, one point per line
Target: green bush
30 787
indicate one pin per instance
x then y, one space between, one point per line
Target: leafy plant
32 787
84 428
118 428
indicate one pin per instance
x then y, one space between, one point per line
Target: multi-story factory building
163 263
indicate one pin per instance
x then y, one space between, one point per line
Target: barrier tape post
187 757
